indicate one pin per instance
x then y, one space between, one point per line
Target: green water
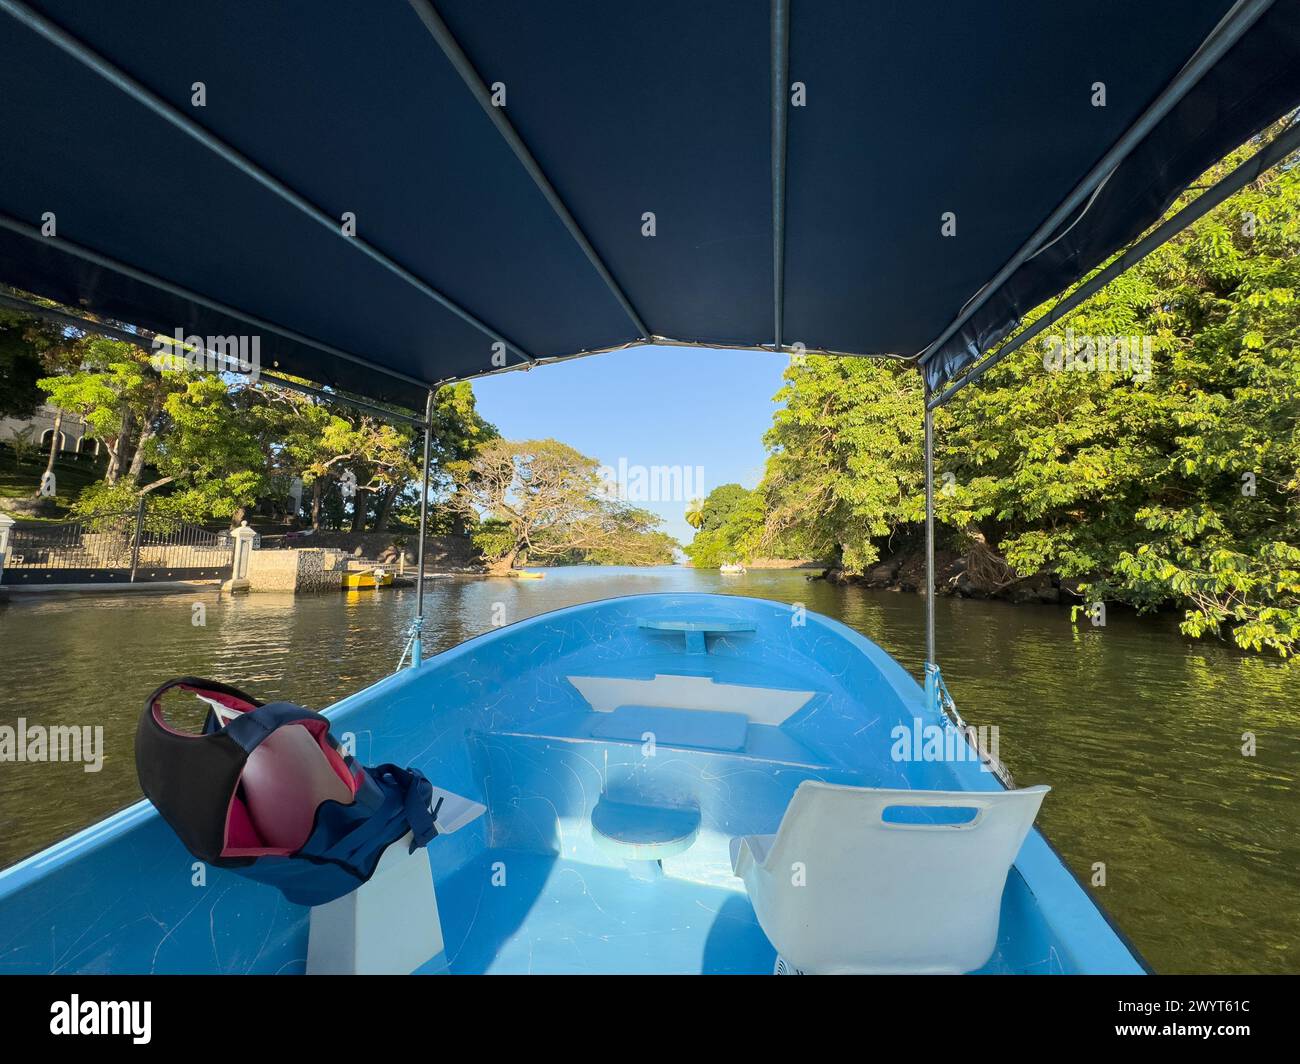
1138 731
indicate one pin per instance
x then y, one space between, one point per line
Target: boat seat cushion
702 729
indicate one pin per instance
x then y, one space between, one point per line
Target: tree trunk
110 471
316 486
359 512
503 565
240 513
147 433
54 446
458 524
385 508
118 449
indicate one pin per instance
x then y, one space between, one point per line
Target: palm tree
695 513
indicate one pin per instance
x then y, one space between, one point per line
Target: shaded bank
976 575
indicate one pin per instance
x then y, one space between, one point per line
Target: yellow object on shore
524 574
367 580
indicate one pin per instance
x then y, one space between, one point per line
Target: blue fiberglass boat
619 748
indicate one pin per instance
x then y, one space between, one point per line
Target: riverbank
982 575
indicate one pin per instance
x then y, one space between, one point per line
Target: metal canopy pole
931 665
780 117
417 626
451 48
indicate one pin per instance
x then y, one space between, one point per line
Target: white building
72 432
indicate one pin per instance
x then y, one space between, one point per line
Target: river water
1139 731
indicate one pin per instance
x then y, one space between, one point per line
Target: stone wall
296 571
442 553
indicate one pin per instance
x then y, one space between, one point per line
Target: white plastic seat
840 889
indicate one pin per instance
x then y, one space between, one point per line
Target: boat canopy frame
855 267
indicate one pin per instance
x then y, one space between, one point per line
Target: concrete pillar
6 525
243 537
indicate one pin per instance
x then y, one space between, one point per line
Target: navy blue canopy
842 174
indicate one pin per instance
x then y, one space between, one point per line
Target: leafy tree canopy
730 527
1167 478
541 499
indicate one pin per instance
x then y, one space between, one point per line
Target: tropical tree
1144 451
730 528
121 397
541 499
845 463
26 346
21 442
695 513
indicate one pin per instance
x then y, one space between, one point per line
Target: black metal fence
115 548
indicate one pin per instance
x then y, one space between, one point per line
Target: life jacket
266 791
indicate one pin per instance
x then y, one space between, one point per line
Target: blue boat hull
578 715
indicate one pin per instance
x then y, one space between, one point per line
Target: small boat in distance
732 569
367 579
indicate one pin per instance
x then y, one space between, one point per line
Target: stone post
243 537
6 524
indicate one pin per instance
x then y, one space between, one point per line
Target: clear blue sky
650 406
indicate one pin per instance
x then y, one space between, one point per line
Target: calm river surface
1138 731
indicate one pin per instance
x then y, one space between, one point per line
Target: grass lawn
71 475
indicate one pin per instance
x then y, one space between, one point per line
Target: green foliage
214 451
103 500
1178 487
29 349
20 368
541 499
212 446
23 444
730 527
845 468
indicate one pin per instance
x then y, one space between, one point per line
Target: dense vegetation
1171 482
541 500
212 447
728 527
